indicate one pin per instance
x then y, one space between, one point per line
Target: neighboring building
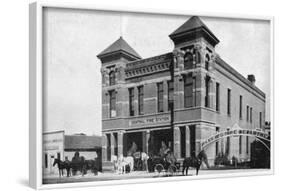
181 98
53 147
58 145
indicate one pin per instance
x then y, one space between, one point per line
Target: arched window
188 60
207 62
111 78
198 57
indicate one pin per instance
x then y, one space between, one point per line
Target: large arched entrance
259 155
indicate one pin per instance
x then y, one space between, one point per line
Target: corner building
181 98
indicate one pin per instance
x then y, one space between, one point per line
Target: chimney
252 78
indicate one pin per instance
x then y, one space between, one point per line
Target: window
227 144
247 113
115 139
182 141
194 92
228 101
251 114
188 61
46 160
188 91
240 106
207 61
192 135
260 120
247 145
207 88
112 78
217 142
108 147
131 101
140 99
170 95
198 56
112 103
240 144
217 97
160 96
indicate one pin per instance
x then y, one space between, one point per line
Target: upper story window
207 62
160 97
240 106
251 114
112 78
207 91
112 103
131 102
188 60
170 95
140 99
217 96
260 120
228 101
247 113
198 56
188 91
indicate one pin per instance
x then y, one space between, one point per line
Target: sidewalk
139 174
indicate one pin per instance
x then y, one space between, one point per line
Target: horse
61 166
78 164
123 162
92 166
195 162
129 160
114 160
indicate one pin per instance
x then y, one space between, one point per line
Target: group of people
144 161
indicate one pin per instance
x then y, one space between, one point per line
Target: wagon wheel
172 169
159 168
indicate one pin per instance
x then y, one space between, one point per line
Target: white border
36 88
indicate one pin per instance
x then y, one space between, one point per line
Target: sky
73 38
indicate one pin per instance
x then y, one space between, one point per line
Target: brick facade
198 111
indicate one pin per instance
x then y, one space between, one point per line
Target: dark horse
194 162
62 165
78 164
92 166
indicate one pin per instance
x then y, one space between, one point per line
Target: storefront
53 147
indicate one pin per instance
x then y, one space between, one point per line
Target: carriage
166 164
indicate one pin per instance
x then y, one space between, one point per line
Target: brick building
181 98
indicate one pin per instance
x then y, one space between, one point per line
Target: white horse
122 162
114 160
120 165
129 160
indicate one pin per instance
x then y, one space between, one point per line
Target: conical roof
117 46
193 25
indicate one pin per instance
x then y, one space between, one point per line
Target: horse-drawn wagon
164 164
170 166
